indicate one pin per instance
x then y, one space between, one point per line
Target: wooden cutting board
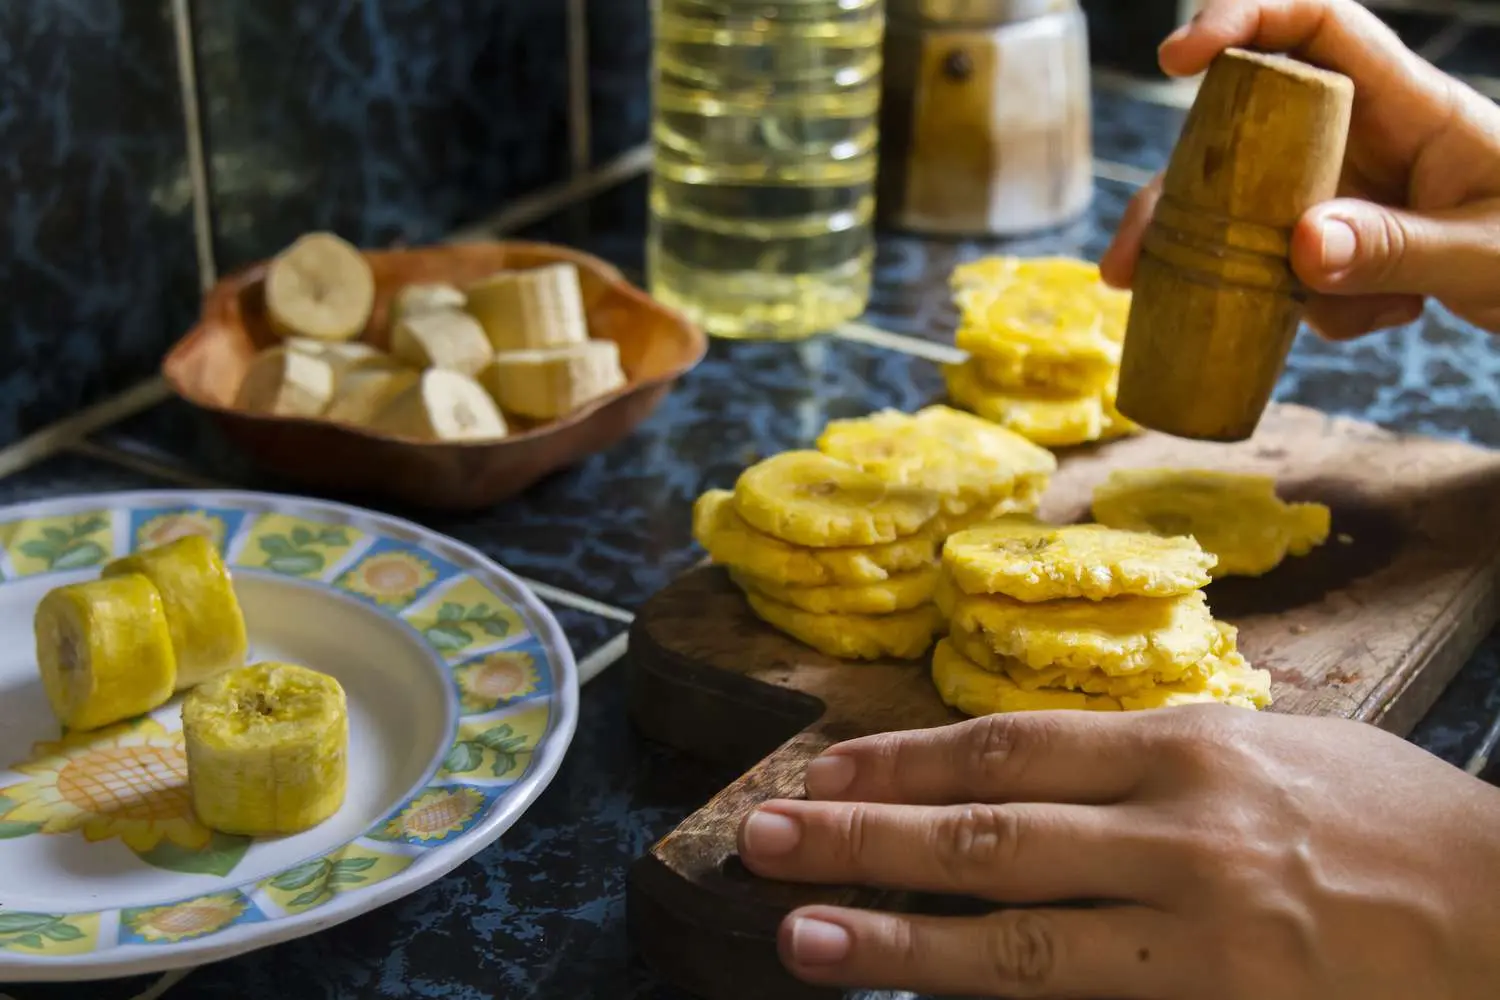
1372 626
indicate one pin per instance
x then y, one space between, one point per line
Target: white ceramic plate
463 696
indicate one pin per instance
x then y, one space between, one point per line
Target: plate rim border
522 795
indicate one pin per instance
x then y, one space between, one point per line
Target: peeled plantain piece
442 339
412 300
104 651
442 405
287 383
320 287
807 498
552 382
537 307
267 749
203 615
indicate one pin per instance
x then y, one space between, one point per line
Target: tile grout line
1123 173
603 658
185 477
523 211
901 343
580 119
197 161
1480 762
55 437
146 466
168 980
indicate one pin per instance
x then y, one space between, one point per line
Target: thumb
1350 247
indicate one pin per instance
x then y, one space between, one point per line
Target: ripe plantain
362 395
442 339
319 287
267 749
104 651
442 406
287 383
414 299
551 382
203 615
537 307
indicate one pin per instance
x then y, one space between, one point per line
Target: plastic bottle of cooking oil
763 190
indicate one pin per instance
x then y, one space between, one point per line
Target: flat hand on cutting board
1250 856
1419 209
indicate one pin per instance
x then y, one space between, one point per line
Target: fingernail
1339 244
828 776
817 942
771 834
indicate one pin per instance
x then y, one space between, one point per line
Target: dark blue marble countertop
541 914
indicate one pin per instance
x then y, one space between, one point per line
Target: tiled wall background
384 120
148 145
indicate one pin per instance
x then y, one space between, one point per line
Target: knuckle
851 839
1020 950
976 837
999 747
1388 246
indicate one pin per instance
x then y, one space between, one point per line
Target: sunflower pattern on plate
126 785
496 679
394 575
152 527
436 815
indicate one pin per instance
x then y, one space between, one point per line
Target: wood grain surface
1216 305
1371 627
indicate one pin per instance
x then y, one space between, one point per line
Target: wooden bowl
657 346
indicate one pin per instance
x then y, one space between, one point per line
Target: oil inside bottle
763 190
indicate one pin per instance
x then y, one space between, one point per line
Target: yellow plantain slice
1235 516
901 592
1027 560
1051 420
807 498
730 541
905 635
964 685
1122 636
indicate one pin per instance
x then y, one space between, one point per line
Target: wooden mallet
1216 305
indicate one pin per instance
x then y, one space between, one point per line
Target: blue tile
619 75
1457 724
100 271
383 120
1133 131
71 475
